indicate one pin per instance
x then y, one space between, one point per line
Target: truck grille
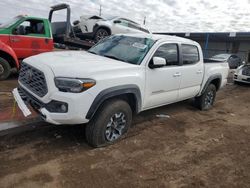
33 79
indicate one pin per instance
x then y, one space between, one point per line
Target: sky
161 15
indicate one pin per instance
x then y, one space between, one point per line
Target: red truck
21 37
24 36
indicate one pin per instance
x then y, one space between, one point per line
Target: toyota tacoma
120 76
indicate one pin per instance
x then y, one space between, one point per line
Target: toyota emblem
29 75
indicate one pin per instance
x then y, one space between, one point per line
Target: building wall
241 49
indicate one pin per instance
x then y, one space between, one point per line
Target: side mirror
157 62
117 21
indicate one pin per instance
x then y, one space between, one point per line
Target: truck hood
76 63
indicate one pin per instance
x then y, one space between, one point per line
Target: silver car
242 74
233 60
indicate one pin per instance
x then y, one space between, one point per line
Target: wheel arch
129 93
97 27
9 55
214 79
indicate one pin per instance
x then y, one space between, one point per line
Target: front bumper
241 78
76 107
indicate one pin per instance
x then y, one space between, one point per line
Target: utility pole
100 11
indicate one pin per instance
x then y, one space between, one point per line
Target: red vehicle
24 36
20 38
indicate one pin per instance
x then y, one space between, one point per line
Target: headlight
239 69
73 85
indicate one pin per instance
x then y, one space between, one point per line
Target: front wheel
109 124
5 69
206 100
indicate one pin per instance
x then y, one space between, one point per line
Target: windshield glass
124 48
221 56
10 22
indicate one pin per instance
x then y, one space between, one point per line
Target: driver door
162 84
30 38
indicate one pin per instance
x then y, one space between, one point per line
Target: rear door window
190 54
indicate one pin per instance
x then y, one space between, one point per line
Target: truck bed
209 60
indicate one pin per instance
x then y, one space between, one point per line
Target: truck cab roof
162 37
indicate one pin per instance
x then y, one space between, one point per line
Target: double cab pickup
120 76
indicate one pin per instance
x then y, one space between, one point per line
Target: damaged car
97 27
242 74
233 60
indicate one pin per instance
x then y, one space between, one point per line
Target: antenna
100 11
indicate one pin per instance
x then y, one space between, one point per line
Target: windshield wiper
113 57
92 52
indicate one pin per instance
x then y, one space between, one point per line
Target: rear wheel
101 34
5 69
109 124
206 100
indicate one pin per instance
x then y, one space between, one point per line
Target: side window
190 54
169 52
30 27
124 22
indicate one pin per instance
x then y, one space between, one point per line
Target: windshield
10 22
221 56
124 48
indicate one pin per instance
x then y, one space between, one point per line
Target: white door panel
191 79
192 71
186 93
162 86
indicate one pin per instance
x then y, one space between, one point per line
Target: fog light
57 107
64 108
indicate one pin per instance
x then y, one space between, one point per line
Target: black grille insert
33 79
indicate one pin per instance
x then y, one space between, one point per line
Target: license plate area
21 104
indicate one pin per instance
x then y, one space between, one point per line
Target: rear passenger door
191 71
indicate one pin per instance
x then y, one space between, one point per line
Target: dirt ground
192 148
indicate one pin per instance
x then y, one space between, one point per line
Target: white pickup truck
120 76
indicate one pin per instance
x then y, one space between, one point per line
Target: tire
109 124
5 69
236 83
206 100
101 34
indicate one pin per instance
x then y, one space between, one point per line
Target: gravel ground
191 148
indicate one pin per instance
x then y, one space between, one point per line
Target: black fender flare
112 92
210 79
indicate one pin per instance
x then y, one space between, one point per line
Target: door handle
199 72
15 40
178 74
46 41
